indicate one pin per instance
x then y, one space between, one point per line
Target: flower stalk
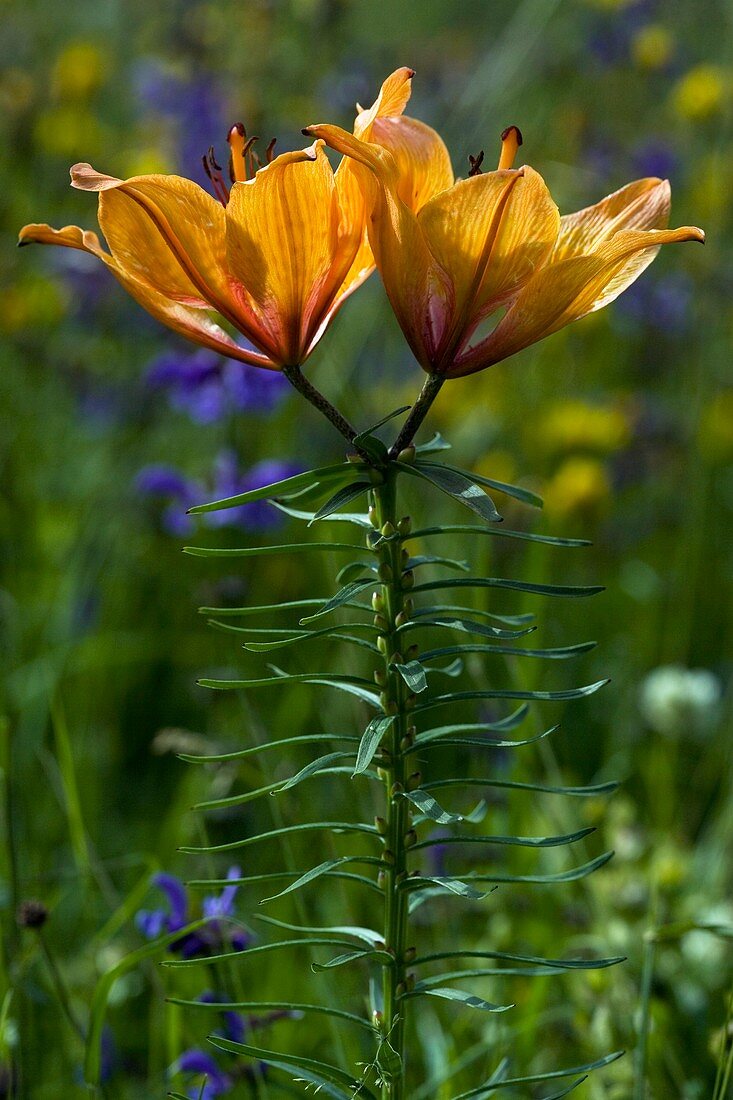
299 382
392 606
430 390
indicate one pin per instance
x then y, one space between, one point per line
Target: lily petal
643 204
422 160
189 321
418 288
566 291
282 242
390 103
491 232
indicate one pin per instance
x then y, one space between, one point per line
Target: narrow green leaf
539 1078
250 952
302 739
359 519
351 685
367 935
313 768
545 696
512 841
437 443
434 559
329 1079
449 609
343 596
566 590
464 626
501 532
370 741
355 955
332 632
432 809
572 875
356 569
413 674
260 551
468 999
510 722
591 791
457 486
526 496
426 742
453 669
286 605
385 420
341 497
290 485
309 876
231 800
561 965
446 882
269 1006
278 876
555 653
571 1088
286 830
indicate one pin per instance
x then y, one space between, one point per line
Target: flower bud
414 780
410 955
395 789
406 455
408 579
372 514
386 574
381 825
377 601
410 838
379 677
382 644
405 526
388 530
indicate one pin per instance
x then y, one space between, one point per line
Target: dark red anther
475 164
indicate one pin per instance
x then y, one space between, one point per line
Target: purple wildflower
166 481
199 1062
228 482
207 387
194 107
217 935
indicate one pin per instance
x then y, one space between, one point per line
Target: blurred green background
111 427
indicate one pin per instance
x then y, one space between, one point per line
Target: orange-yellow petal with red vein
491 232
566 291
283 242
190 322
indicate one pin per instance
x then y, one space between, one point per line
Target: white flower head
678 702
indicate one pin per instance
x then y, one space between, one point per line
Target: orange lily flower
495 244
274 258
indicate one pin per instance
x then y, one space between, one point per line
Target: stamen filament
511 139
238 145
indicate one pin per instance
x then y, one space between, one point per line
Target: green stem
428 393
392 607
299 382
